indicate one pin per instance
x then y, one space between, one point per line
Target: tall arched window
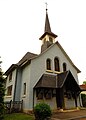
48 64
64 67
56 64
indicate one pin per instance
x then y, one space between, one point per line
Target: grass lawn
18 116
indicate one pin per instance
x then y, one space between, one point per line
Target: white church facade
50 76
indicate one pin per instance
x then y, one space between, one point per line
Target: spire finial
46 6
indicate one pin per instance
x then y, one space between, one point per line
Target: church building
50 76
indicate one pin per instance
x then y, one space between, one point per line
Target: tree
2 93
84 82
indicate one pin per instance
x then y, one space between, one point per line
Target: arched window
64 67
56 64
48 64
50 39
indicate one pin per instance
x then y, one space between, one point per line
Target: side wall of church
25 79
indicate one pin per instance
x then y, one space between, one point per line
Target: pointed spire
47 28
47 24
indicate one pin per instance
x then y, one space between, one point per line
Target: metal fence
14 106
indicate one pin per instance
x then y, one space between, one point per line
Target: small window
50 39
48 93
56 64
39 93
9 90
24 90
10 76
64 67
48 64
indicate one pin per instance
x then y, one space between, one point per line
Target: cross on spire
46 6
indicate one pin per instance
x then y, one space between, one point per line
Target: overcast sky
22 23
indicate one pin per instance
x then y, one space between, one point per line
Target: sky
22 24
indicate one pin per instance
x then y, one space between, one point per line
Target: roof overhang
58 81
48 33
78 71
11 68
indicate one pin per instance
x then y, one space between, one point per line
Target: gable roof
58 81
58 44
11 68
28 56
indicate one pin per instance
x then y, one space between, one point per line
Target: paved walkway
70 115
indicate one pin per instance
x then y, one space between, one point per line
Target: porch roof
46 80
58 81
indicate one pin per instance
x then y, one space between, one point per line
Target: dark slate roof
57 81
47 80
26 57
61 79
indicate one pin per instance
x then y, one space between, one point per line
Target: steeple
47 24
48 38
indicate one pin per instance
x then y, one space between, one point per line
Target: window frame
9 90
56 64
24 88
48 64
64 67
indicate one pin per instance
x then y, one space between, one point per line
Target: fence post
22 106
10 106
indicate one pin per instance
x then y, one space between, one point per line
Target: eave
11 68
48 33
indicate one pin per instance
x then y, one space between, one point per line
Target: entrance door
60 98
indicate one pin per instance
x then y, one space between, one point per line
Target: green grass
18 116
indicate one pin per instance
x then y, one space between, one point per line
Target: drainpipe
33 98
15 84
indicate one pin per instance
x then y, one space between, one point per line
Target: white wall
25 79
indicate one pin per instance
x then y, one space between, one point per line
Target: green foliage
2 93
42 111
84 82
83 96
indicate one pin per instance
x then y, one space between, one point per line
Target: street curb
73 118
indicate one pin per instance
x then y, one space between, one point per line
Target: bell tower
48 38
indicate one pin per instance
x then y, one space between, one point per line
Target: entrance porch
60 91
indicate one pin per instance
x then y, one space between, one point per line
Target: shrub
42 111
83 96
